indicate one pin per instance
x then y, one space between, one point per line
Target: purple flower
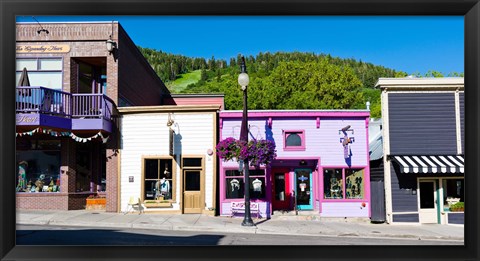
258 152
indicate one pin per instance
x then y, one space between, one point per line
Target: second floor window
294 140
46 72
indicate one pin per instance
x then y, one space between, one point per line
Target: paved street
226 230
64 235
68 235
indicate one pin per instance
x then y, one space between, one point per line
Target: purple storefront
321 168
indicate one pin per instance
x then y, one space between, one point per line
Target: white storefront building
167 158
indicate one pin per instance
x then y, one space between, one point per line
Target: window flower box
96 203
157 204
457 207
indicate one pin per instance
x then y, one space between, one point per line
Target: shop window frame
344 184
242 177
35 147
173 186
301 134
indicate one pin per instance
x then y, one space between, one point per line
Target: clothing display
164 186
22 171
257 185
235 184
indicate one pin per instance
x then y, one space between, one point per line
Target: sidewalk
280 225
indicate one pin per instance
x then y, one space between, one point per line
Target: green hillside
281 80
183 80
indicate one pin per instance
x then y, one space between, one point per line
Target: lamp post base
248 223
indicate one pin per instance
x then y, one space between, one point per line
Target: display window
235 182
38 166
333 184
453 193
342 183
158 181
354 184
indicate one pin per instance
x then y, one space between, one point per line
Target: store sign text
27 119
43 48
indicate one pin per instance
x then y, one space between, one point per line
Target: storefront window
234 184
336 181
354 185
158 179
452 192
38 168
333 183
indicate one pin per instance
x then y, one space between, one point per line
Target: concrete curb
230 229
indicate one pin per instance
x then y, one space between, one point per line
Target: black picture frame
470 9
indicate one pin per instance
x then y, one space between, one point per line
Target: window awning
430 164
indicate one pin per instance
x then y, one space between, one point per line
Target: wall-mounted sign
130 179
27 119
47 48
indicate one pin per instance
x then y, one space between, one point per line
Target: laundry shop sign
47 48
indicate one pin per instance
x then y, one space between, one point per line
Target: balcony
47 108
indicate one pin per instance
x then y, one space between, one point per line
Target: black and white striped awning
430 164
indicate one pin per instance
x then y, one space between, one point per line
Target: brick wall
50 201
97 31
137 81
112 181
128 73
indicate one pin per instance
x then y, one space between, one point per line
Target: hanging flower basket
258 152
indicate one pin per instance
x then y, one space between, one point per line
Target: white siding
146 134
344 209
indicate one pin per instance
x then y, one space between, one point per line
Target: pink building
322 164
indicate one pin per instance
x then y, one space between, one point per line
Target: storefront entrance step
295 213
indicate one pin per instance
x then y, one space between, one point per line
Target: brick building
67 137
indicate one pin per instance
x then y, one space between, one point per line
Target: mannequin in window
235 186
165 188
157 190
22 171
257 188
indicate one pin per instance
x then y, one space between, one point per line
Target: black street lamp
243 80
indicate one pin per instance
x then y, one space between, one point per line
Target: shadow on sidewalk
106 237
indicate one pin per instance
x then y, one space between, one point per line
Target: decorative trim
169 108
296 113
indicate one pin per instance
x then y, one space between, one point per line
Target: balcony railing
63 104
92 106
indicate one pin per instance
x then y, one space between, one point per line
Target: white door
428 201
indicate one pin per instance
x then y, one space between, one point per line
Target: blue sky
407 43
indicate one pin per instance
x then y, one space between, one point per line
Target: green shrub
459 206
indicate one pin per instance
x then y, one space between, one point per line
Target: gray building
423 149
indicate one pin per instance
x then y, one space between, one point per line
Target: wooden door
282 194
192 191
